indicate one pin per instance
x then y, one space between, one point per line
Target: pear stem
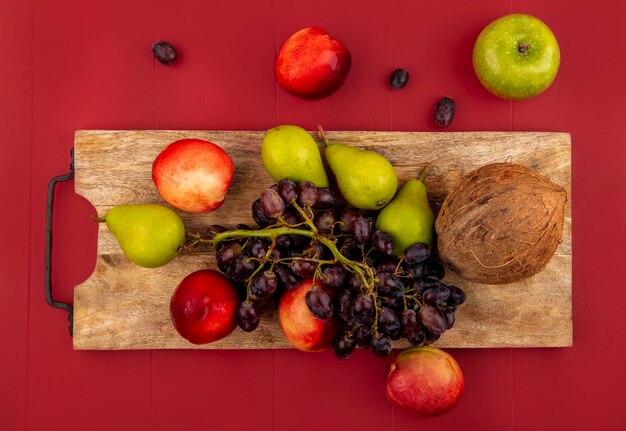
101 219
424 174
322 135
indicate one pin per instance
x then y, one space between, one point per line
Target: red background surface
72 64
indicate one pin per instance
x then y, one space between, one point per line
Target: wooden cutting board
124 306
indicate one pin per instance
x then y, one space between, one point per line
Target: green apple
516 57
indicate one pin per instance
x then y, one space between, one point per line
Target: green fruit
290 152
516 57
149 234
408 218
365 178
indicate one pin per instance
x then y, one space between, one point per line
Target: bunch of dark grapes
305 233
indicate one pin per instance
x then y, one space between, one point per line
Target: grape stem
272 233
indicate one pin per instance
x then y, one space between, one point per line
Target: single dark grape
436 295
288 191
242 268
214 229
286 277
350 250
324 220
398 79
362 230
257 247
278 253
417 253
227 255
410 323
382 242
264 285
433 319
333 276
381 345
347 218
387 264
325 199
344 345
430 337
164 52
448 313
242 226
319 303
307 193
362 335
259 215
444 112
395 303
284 241
390 285
290 216
457 296
388 323
415 271
344 305
435 269
271 203
355 282
363 306
418 338
303 268
247 316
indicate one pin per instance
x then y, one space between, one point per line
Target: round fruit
516 57
203 307
301 328
425 381
193 175
311 64
500 224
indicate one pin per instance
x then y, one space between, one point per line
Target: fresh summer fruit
311 64
148 234
408 218
425 381
193 175
164 52
203 307
289 152
302 329
476 237
444 112
363 294
365 178
516 57
398 79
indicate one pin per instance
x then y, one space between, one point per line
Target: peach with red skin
193 175
202 307
425 381
312 64
301 328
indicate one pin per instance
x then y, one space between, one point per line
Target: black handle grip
48 271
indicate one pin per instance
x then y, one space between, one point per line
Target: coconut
500 224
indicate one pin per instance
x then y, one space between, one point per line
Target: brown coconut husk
500 224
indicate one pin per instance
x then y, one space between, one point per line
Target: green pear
149 234
290 152
365 178
408 218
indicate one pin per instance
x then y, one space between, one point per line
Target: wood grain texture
123 306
